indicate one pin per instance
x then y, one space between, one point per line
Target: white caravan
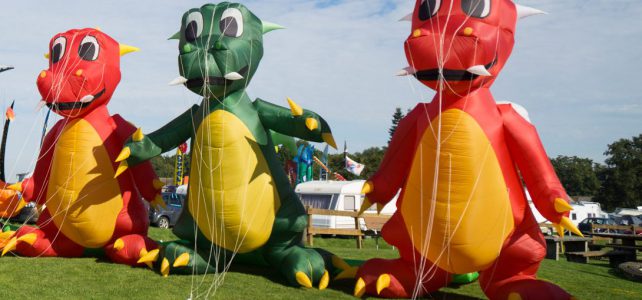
337 195
581 210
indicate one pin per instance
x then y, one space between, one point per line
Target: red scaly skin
467 41
74 73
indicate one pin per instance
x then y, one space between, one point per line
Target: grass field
91 278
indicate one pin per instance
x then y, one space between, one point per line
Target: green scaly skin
214 54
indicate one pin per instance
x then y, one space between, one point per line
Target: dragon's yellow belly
456 206
83 197
233 198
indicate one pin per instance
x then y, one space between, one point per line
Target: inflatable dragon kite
458 160
85 206
240 202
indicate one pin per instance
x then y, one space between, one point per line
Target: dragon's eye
58 49
193 26
428 9
231 22
476 8
89 48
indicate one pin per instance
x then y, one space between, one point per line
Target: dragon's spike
360 288
125 49
119 244
367 188
267 27
311 123
181 260
295 108
138 135
366 204
303 279
561 206
325 280
383 282
121 168
379 208
124 154
525 11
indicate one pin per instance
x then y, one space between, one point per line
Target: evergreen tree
396 118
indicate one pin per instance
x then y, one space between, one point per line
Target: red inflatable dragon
85 207
458 161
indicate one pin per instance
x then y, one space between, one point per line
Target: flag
353 166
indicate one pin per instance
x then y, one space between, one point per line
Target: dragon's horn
176 36
267 27
525 11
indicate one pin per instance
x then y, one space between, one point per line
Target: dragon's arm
294 122
527 150
144 176
141 148
396 163
34 188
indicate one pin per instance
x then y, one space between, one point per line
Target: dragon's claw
150 256
359 288
561 206
119 244
303 279
383 282
325 280
165 267
514 296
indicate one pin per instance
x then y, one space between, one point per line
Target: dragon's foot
179 257
32 242
129 249
530 289
302 266
398 279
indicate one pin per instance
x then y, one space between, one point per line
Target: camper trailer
337 195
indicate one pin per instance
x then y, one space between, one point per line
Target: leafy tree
622 175
164 165
578 175
396 118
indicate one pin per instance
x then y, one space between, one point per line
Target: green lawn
29 278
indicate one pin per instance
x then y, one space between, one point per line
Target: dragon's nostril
468 31
43 74
416 33
79 72
218 45
187 48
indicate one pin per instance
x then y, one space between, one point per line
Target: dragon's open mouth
450 75
212 80
59 106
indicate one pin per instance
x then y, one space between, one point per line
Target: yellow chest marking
232 196
83 197
456 206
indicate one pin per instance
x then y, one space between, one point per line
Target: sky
576 70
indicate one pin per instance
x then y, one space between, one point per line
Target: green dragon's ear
267 27
176 36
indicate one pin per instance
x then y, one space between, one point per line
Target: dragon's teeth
178 81
233 76
40 105
87 98
479 70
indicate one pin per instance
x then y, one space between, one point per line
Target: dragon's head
465 42
84 70
220 47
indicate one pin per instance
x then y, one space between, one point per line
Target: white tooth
87 98
407 71
525 11
40 105
233 76
178 80
479 70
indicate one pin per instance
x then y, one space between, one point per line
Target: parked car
628 220
585 225
28 215
167 217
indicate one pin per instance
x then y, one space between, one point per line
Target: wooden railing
615 228
373 223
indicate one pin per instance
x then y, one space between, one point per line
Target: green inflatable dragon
240 203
